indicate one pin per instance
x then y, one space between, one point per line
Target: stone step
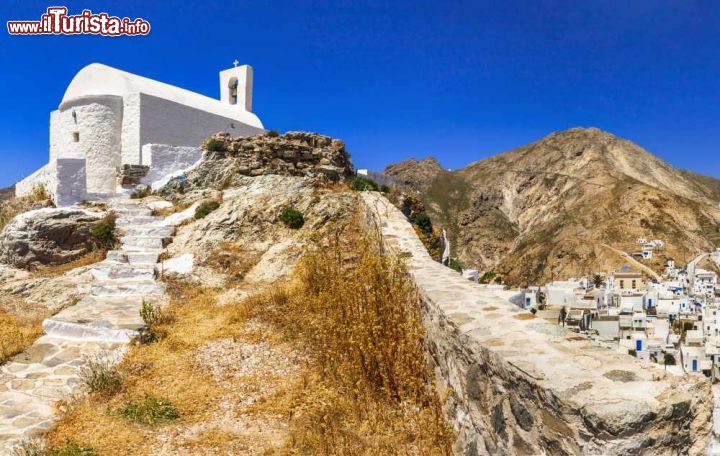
137 220
143 242
104 271
134 258
111 312
78 331
132 211
147 230
127 288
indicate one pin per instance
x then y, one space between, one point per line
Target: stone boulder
47 236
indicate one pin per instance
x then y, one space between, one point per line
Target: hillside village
668 320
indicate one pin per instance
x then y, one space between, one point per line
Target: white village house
107 116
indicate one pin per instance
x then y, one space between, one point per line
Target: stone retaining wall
522 385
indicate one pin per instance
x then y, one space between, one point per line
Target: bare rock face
47 236
292 154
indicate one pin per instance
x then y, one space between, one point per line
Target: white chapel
108 117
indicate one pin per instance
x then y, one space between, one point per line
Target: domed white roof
98 79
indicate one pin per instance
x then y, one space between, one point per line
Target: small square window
76 136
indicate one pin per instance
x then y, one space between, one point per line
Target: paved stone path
102 323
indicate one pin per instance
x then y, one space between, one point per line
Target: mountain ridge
523 212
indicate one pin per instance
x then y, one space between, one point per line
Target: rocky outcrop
414 173
291 154
517 384
47 236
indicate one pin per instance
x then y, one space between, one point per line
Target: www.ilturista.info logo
57 22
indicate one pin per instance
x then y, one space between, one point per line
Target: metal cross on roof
236 63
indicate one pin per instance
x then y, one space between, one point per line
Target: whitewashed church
109 118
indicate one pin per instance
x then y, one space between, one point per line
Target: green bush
632 352
455 264
292 218
215 145
422 221
205 208
103 232
150 410
487 277
669 359
273 133
360 183
384 189
69 448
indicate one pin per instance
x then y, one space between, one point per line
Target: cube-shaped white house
107 115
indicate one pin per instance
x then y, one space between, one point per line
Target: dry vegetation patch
366 388
333 363
16 334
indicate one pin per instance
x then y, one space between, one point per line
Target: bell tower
236 85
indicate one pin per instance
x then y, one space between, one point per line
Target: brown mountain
559 206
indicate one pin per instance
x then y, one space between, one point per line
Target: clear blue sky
457 80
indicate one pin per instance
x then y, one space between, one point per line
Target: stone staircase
102 323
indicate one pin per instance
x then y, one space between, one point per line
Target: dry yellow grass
367 388
358 385
164 212
15 206
16 334
165 369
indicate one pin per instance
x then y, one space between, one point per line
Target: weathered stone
130 175
520 412
47 236
292 154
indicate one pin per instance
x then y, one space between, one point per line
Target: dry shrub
16 334
358 311
14 206
166 211
101 375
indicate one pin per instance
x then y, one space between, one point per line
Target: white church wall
187 127
167 161
69 181
131 130
90 128
39 177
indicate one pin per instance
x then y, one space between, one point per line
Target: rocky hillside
418 174
7 193
551 208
